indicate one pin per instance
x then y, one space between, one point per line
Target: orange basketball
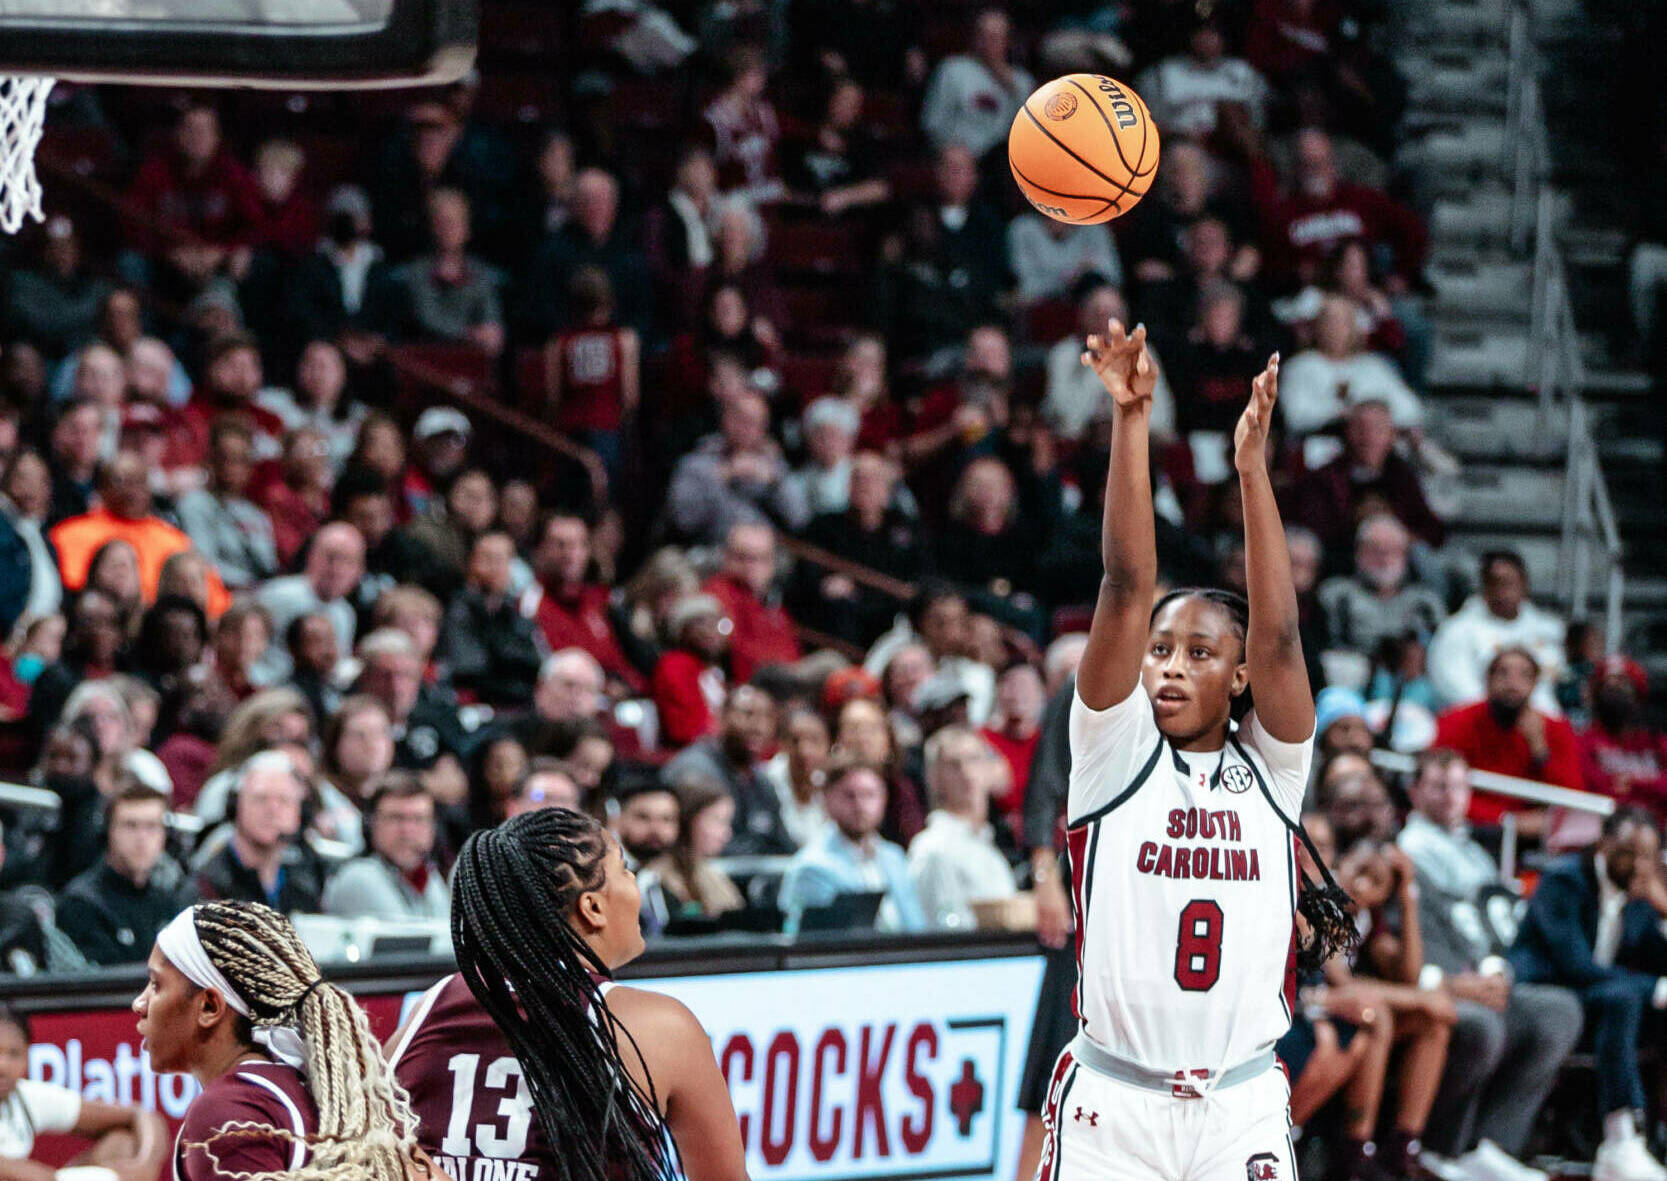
1083 148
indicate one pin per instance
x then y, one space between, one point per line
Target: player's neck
1208 743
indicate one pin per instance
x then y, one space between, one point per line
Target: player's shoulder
262 1093
650 1014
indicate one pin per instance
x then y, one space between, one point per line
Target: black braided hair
540 982
1324 905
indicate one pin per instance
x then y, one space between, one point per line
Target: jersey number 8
1198 946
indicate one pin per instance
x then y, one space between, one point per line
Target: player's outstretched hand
1250 437
1123 364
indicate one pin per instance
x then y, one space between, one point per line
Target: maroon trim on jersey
1289 994
266 1094
1076 852
1064 1075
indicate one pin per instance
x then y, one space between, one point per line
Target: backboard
258 43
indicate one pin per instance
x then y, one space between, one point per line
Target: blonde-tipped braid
366 1131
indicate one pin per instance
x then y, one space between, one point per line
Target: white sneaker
1489 1162
1626 1160
1444 1169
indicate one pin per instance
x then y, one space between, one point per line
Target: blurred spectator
1015 731
1505 733
761 631
448 527
649 820
335 563
734 757
334 291
849 856
194 207
742 261
1320 210
232 381
865 733
92 646
1320 386
500 764
568 695
288 222
320 400
1621 755
939 618
743 130
593 238
398 879
871 532
264 859
797 772
693 886
547 784
31 586
688 681
490 647
591 372
1593 925
124 514
1500 616
1583 652
1051 257
1075 396
427 734
677 233
551 195
954 862
220 519
1185 91
1369 476
55 304
570 609
830 427
449 294
114 910
314 655
357 747
1510 1038
75 447
839 166
734 476
972 97
1209 368
1355 802
121 744
114 571
986 545
1379 601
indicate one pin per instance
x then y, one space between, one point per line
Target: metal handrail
1553 364
1531 790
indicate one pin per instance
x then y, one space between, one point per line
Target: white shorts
1100 1129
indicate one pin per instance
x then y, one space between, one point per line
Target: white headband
178 941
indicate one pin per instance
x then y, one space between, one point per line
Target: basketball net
22 117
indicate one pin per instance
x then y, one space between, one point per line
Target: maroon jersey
265 1094
592 394
473 1105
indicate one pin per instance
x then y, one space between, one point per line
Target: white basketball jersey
1184 878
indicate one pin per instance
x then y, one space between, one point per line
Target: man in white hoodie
1500 616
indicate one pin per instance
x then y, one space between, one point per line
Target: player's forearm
1274 638
1128 543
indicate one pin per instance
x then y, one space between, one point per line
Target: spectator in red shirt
1504 734
1014 730
570 610
1370 476
231 378
1620 756
299 503
763 632
688 683
591 370
288 215
196 209
1303 226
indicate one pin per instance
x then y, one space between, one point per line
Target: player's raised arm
1117 638
1273 645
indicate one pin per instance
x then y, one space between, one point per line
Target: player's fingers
1143 363
1138 337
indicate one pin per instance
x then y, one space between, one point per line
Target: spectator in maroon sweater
745 586
196 209
1504 734
1369 477
231 378
688 683
1303 226
288 216
571 611
1620 755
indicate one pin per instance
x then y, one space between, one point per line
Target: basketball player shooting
1180 823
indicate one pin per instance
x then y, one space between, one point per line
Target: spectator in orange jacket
124 512
744 585
1504 734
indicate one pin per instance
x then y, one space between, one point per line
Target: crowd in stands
814 552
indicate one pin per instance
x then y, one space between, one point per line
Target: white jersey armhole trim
418 1016
298 1126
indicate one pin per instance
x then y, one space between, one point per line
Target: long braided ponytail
513 889
1326 908
366 1129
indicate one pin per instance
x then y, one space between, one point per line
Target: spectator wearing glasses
114 910
399 877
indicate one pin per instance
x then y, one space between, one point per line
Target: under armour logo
1093 1117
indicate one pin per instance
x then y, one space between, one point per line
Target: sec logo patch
1237 779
